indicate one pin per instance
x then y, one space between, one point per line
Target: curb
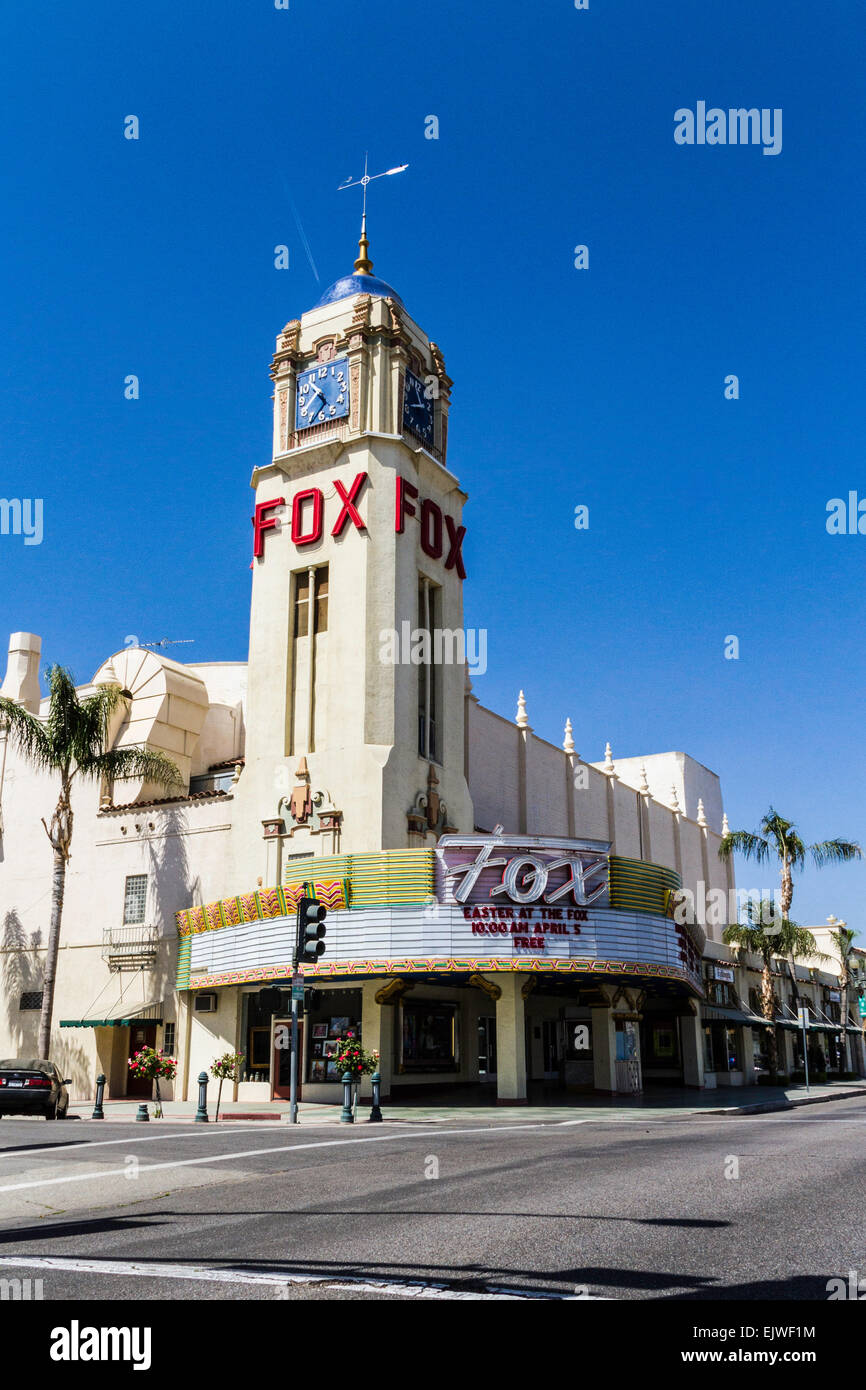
767 1107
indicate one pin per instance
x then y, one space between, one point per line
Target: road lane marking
252 1153
82 1145
410 1288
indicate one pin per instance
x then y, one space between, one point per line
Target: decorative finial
644 784
608 761
675 805
702 820
568 741
363 265
726 829
522 718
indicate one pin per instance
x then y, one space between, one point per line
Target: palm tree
767 934
778 839
71 740
843 939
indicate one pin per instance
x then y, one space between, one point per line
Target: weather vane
363 265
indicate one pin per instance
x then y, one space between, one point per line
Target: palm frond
93 725
62 721
134 764
843 940
788 843
834 852
27 733
745 843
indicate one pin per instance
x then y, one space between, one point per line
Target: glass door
487 1048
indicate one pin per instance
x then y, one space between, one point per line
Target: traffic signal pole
293 1075
308 947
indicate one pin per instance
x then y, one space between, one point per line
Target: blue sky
602 387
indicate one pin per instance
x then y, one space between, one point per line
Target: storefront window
332 1015
709 1064
760 1049
662 1043
429 1038
731 1049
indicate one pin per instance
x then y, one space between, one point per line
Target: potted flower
150 1065
227 1068
351 1057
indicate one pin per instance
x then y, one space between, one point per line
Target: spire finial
608 761
726 829
675 805
363 265
568 741
702 820
644 784
522 718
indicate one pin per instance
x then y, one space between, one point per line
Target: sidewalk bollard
346 1116
97 1105
375 1111
201 1113
143 1113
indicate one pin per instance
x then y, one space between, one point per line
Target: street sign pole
293 1060
804 1013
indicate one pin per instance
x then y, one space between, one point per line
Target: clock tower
357 676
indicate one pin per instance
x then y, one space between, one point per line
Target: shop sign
524 870
723 972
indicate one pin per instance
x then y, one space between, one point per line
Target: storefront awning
713 1014
119 1018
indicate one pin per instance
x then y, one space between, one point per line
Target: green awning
138 1013
714 1013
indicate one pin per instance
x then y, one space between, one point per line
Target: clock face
417 409
323 393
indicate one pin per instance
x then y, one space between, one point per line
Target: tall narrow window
429 672
309 624
302 604
321 592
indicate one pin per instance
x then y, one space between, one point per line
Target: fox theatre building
499 906
519 963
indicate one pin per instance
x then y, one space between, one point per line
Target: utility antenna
168 642
363 265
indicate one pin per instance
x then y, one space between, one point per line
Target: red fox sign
441 537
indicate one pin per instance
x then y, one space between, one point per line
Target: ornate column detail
492 990
440 416
570 759
524 733
283 374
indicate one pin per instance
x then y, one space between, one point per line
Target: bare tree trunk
767 1007
58 884
787 888
844 996
60 835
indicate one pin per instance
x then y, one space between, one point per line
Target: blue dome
351 285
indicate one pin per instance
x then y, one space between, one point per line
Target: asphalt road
502 1209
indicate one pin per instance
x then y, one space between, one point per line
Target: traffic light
311 929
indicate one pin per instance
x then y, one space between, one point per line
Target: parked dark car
31 1087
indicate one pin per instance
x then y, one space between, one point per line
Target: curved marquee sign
499 902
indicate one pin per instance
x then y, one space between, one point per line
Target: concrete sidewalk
652 1104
